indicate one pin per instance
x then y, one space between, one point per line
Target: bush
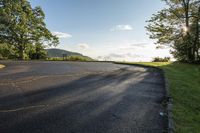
7 52
36 52
70 58
77 58
55 59
158 59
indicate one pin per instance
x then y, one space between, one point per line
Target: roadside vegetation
71 58
178 26
158 59
184 82
23 31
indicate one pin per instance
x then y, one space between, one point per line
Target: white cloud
133 46
83 46
128 50
61 34
131 51
122 28
119 57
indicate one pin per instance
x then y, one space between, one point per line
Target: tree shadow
121 101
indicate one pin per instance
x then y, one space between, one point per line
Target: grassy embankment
184 82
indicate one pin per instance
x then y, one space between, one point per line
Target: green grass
1 66
184 82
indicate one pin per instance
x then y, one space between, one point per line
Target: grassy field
1 66
184 81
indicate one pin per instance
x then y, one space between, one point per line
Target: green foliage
36 52
158 59
21 26
71 58
177 26
184 82
78 58
55 59
6 52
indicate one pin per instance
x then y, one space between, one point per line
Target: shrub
7 52
71 58
158 59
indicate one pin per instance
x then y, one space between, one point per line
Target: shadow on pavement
117 102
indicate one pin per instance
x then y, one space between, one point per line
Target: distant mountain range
60 52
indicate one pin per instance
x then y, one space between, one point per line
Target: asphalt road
77 97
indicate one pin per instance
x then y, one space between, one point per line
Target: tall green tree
21 25
177 26
41 34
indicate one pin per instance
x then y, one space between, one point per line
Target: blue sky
103 29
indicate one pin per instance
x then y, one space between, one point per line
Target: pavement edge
171 127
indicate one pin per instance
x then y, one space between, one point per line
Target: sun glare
185 29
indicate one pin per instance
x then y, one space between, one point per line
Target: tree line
23 31
178 26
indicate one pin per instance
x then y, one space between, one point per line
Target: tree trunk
186 4
196 41
37 51
21 53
